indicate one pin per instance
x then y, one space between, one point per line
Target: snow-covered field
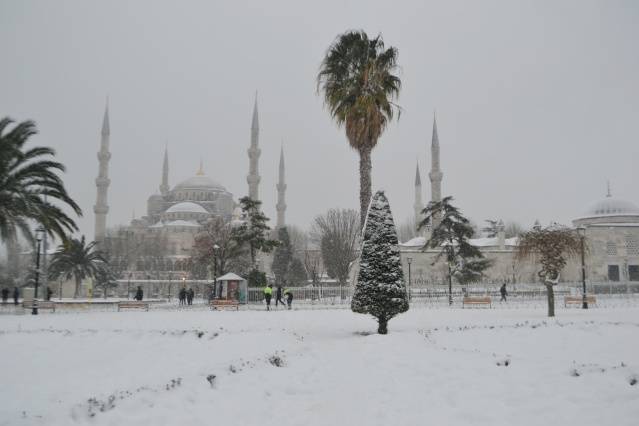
321 367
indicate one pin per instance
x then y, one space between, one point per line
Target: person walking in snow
503 292
48 292
268 293
5 295
182 296
189 296
16 295
139 294
289 298
278 296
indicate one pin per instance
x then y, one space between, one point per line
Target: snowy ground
321 367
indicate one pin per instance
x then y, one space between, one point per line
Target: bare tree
513 229
216 248
550 247
338 233
407 230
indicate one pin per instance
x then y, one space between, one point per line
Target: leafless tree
216 248
407 230
338 233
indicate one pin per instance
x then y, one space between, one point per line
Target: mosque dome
199 181
186 207
611 206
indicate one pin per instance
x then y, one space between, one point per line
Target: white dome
183 223
186 207
199 182
610 206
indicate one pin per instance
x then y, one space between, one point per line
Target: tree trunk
364 183
383 325
77 287
450 286
551 300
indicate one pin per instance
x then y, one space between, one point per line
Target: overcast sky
537 102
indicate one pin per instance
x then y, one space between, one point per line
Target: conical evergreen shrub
380 289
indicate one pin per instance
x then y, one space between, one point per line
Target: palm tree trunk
77 287
364 182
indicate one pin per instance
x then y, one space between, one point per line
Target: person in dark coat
16 295
47 293
503 292
5 295
289 298
278 296
182 296
139 295
189 296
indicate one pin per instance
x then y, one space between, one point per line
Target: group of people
268 295
16 294
5 295
185 296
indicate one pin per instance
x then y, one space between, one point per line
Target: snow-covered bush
380 289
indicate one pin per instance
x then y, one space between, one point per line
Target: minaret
102 182
419 205
435 174
164 187
281 192
254 152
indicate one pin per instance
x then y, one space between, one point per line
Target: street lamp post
215 249
39 232
582 237
128 288
409 260
169 287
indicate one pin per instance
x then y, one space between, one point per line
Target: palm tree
359 88
27 177
78 260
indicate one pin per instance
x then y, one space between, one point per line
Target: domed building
612 231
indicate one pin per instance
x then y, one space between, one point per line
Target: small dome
610 206
199 182
186 207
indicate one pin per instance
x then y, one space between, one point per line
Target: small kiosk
232 287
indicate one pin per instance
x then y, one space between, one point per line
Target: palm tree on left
28 184
75 259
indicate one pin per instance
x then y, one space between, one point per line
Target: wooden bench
578 300
224 303
133 305
476 300
41 304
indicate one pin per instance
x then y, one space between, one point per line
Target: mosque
611 235
174 215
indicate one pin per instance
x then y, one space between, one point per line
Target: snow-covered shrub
380 289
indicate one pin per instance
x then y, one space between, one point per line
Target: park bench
133 305
41 304
476 300
224 303
578 300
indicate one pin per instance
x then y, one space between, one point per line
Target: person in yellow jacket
268 293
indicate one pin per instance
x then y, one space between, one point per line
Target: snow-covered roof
477 242
415 242
157 225
186 207
199 182
230 277
611 206
182 223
